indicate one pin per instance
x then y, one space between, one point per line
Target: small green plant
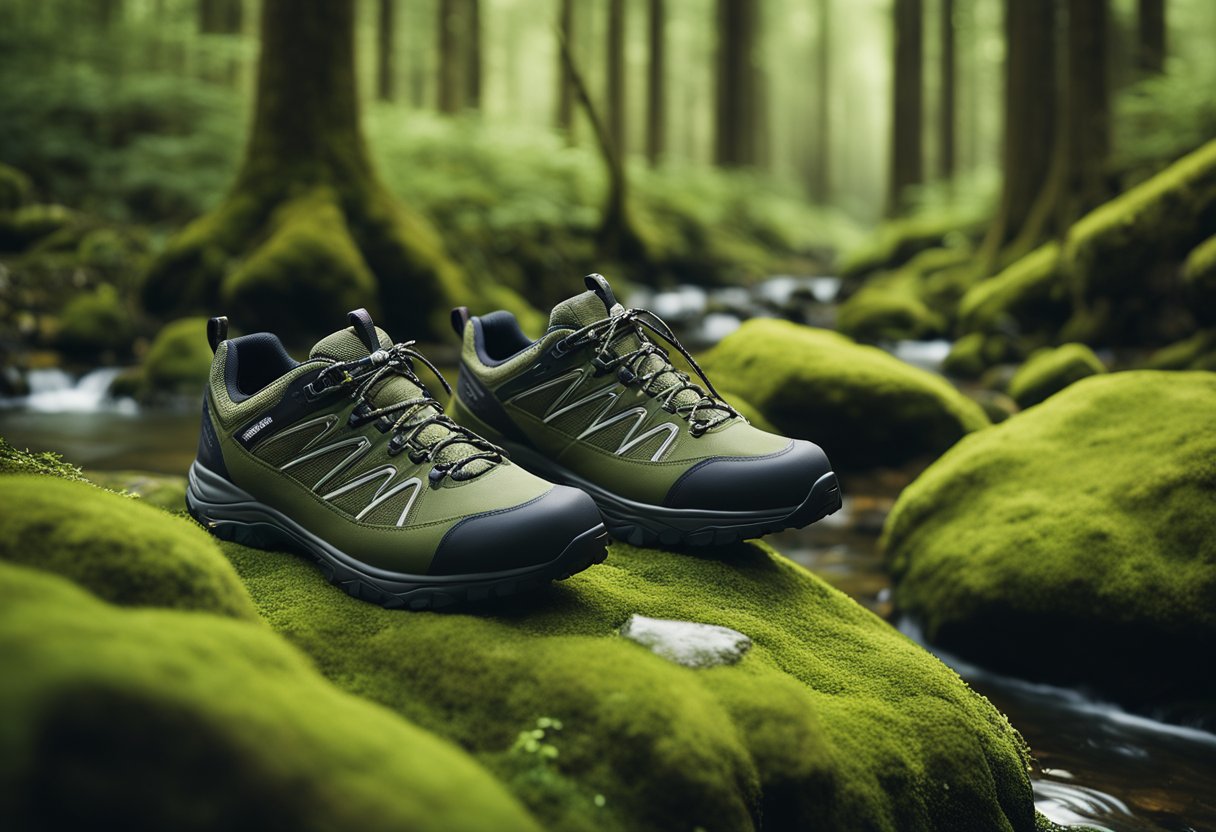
533 742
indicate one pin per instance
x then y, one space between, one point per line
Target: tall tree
452 64
656 87
220 17
386 26
565 86
307 226
736 84
472 54
907 123
820 181
1029 114
946 158
1150 53
615 74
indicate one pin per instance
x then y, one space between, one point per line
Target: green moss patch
1051 370
179 359
863 406
159 719
888 308
832 720
1030 293
898 241
976 352
95 321
1073 543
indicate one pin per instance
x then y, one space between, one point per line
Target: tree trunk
565 87
946 111
1030 108
736 84
109 13
386 27
1150 53
472 49
820 182
616 75
907 123
307 228
656 105
452 64
220 17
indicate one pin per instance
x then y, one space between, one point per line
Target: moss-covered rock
975 352
161 719
889 308
1073 543
15 188
95 321
25 225
1199 278
863 406
1049 371
161 490
17 461
179 359
124 551
898 241
831 720
1195 353
1030 293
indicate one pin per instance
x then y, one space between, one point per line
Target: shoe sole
642 524
232 514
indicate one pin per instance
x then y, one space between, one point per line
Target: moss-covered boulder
1199 278
976 352
95 321
898 241
1049 371
1028 294
179 360
1197 352
15 188
23 226
889 308
863 406
1073 543
124 718
832 720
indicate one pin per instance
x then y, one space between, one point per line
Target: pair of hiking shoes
349 457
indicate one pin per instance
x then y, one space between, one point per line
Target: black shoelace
629 365
364 374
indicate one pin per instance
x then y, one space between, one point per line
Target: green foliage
94 322
179 359
1081 526
863 406
1049 371
1163 117
825 723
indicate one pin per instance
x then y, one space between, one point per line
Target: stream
1094 763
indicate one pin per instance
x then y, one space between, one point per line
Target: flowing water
1094 763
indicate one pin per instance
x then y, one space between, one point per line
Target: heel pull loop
460 317
217 331
362 323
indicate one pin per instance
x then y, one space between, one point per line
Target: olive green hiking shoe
348 457
596 403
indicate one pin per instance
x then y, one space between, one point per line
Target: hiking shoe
347 456
596 403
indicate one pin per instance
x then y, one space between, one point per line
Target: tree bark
656 104
820 181
472 48
220 17
1030 116
946 161
452 63
1150 53
565 87
615 75
386 36
736 83
907 123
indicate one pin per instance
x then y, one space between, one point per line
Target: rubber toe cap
530 534
778 480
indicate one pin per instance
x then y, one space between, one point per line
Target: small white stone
687 642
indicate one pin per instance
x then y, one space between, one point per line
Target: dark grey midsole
608 501
220 501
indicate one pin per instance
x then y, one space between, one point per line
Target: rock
217 722
997 406
96 321
687 642
1051 370
833 720
1028 296
898 241
976 352
1073 543
889 308
179 360
863 406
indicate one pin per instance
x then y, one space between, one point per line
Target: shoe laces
658 378
413 415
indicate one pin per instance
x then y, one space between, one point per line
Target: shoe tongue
346 345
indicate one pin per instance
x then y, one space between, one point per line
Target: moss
123 551
16 461
889 308
179 359
1030 293
94 322
15 188
161 490
1082 527
117 254
975 352
1195 353
30 223
832 720
997 406
220 723
1199 278
1110 251
1051 370
898 241
863 406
